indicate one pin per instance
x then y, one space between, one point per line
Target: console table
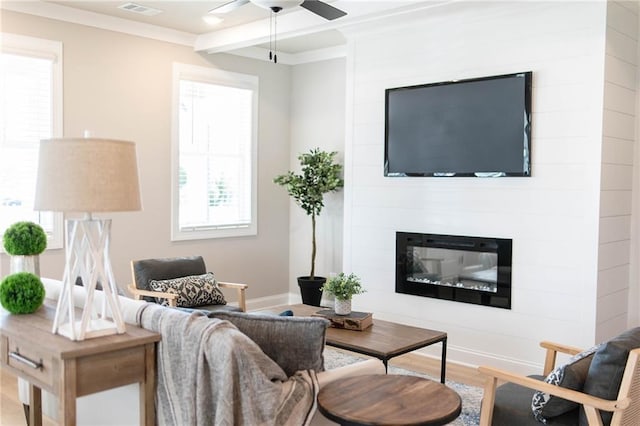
70 369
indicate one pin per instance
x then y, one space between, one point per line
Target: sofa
120 406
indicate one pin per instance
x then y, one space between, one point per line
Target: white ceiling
244 30
183 16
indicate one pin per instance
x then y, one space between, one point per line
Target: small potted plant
21 293
24 241
319 175
343 287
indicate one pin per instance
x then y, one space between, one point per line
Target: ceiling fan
315 6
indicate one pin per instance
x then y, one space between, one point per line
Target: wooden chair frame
173 298
626 408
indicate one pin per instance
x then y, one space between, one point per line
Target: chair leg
488 399
242 301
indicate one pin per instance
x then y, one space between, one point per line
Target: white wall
618 144
552 217
119 86
317 120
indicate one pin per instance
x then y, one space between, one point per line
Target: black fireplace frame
501 246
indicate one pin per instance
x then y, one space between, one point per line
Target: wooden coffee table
388 400
383 340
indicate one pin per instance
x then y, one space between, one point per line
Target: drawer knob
23 359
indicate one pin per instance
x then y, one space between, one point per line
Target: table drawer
31 361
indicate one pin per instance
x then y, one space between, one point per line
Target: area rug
471 395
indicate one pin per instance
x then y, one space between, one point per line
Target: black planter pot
310 289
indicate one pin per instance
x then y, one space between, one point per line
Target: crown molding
262 54
97 20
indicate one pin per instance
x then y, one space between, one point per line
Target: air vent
142 10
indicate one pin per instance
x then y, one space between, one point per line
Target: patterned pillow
571 375
192 291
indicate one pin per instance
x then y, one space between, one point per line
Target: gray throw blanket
209 373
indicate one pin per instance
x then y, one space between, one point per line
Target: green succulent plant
319 175
21 293
344 287
24 239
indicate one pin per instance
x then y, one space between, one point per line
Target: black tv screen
477 127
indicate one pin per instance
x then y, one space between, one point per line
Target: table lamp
87 175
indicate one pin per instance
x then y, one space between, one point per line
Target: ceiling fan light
282 4
212 19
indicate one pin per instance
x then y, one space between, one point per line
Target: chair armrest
232 285
552 351
590 403
241 288
137 294
559 347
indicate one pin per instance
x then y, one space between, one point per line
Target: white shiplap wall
552 217
617 168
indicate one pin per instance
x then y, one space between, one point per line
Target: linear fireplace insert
451 267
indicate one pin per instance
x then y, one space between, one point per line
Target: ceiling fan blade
323 9
229 6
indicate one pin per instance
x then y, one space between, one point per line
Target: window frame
226 78
47 49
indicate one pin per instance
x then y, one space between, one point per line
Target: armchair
605 389
147 270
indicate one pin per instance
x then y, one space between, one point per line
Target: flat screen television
477 127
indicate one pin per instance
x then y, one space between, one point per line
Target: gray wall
119 86
317 120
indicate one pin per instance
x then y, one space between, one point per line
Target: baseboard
295 298
472 359
267 302
280 300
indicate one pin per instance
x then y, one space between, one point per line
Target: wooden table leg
67 394
35 406
148 388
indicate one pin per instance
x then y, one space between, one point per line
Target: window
214 153
30 110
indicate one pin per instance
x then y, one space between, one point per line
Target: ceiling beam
301 22
294 58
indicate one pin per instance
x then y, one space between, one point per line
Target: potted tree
319 175
343 287
24 241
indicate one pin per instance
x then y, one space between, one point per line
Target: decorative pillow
571 375
294 343
606 370
192 291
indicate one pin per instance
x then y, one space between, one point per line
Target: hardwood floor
11 411
12 414
456 372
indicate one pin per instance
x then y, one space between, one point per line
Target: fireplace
459 268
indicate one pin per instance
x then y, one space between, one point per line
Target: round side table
391 399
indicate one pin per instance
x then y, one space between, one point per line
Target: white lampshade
87 175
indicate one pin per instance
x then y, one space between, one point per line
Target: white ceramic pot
343 307
25 264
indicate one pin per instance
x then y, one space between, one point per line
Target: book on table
354 321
